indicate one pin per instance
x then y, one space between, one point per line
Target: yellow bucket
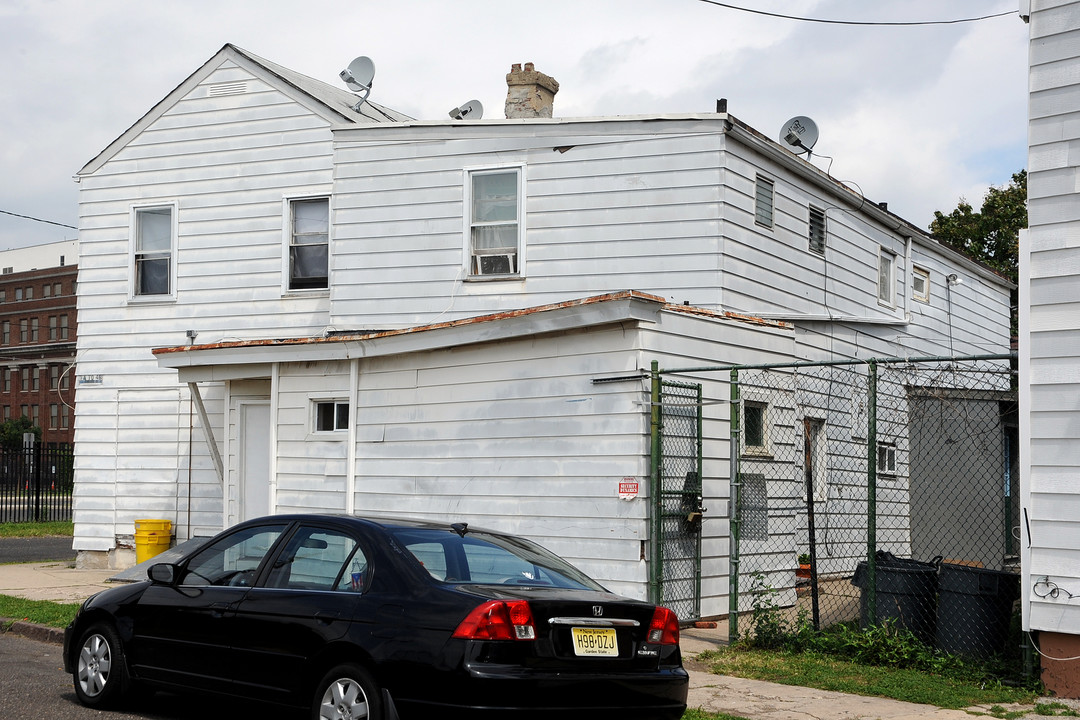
152 537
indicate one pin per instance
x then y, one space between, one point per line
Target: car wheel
100 669
347 693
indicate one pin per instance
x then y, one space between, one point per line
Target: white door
254 476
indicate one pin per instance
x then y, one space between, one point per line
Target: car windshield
486 559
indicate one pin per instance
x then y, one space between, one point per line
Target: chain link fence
880 492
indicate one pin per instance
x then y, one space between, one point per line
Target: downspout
907 279
354 402
275 387
734 516
208 432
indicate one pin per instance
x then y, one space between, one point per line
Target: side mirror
163 574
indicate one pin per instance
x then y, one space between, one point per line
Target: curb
33 631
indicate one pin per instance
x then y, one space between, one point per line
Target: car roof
386 523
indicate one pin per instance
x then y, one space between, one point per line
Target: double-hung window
153 251
308 237
495 227
886 276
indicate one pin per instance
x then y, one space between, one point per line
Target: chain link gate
880 492
677 511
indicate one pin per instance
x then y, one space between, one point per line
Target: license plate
596 642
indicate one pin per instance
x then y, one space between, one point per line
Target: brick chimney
529 94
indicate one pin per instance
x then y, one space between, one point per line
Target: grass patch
810 669
41 612
696 714
37 529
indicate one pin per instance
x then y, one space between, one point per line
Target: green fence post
871 493
733 512
656 556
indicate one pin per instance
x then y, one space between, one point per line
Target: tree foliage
991 235
11 432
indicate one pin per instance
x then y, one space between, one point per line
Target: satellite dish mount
471 110
358 77
800 134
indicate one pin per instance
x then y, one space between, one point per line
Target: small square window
331 416
886 276
817 230
763 201
755 428
920 284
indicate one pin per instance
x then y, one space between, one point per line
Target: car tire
347 692
100 676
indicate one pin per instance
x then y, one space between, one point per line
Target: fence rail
36 483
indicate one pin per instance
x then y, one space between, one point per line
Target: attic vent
233 88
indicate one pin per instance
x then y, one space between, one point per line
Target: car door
309 595
186 632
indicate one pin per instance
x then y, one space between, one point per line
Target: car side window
232 560
320 559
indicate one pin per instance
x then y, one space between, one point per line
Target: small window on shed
817 230
755 428
330 416
920 284
763 201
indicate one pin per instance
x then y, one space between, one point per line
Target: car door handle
325 618
219 609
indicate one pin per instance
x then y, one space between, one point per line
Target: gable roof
333 104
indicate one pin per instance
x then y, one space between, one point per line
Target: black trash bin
906 594
974 609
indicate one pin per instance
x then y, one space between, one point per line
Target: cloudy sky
916 116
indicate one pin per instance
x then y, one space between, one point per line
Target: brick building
37 338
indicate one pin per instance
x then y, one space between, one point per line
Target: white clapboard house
1050 346
289 305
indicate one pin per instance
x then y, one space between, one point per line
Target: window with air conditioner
495 228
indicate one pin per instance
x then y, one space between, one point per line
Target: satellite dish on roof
358 76
471 110
800 134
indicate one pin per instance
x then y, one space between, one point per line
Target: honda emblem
597 610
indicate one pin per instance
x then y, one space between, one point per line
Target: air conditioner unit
495 264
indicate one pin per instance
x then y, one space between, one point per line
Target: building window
24 333
18 294
330 416
25 380
152 251
886 458
36 377
6 332
56 289
495 228
817 230
34 330
763 201
63 327
65 417
920 284
886 276
46 290
7 380
755 429
309 244
54 328
54 377
29 293
54 416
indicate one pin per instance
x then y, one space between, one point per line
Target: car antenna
460 528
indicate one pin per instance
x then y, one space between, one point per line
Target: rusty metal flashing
379 334
728 315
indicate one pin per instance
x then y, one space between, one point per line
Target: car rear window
488 559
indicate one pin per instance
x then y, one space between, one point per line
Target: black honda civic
381 619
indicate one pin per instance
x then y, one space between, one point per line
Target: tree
991 235
11 432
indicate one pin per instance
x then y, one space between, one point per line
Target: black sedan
380 619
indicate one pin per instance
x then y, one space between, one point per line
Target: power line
27 217
858 22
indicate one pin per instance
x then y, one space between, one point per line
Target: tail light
664 627
499 620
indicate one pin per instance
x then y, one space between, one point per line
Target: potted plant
804 566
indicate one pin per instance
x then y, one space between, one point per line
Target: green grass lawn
41 612
39 529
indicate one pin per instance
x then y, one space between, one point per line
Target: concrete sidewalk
754 699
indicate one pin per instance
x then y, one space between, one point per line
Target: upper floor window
886 276
309 244
817 230
494 201
920 284
153 250
763 201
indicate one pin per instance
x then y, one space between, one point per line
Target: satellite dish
800 134
358 76
471 110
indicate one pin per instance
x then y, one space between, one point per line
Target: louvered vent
233 88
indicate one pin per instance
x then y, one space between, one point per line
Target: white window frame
765 449
764 216
886 277
470 270
134 255
886 459
287 238
337 403
920 274
824 229
819 456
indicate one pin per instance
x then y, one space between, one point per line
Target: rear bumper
489 692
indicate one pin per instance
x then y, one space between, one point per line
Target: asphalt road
34 686
40 549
